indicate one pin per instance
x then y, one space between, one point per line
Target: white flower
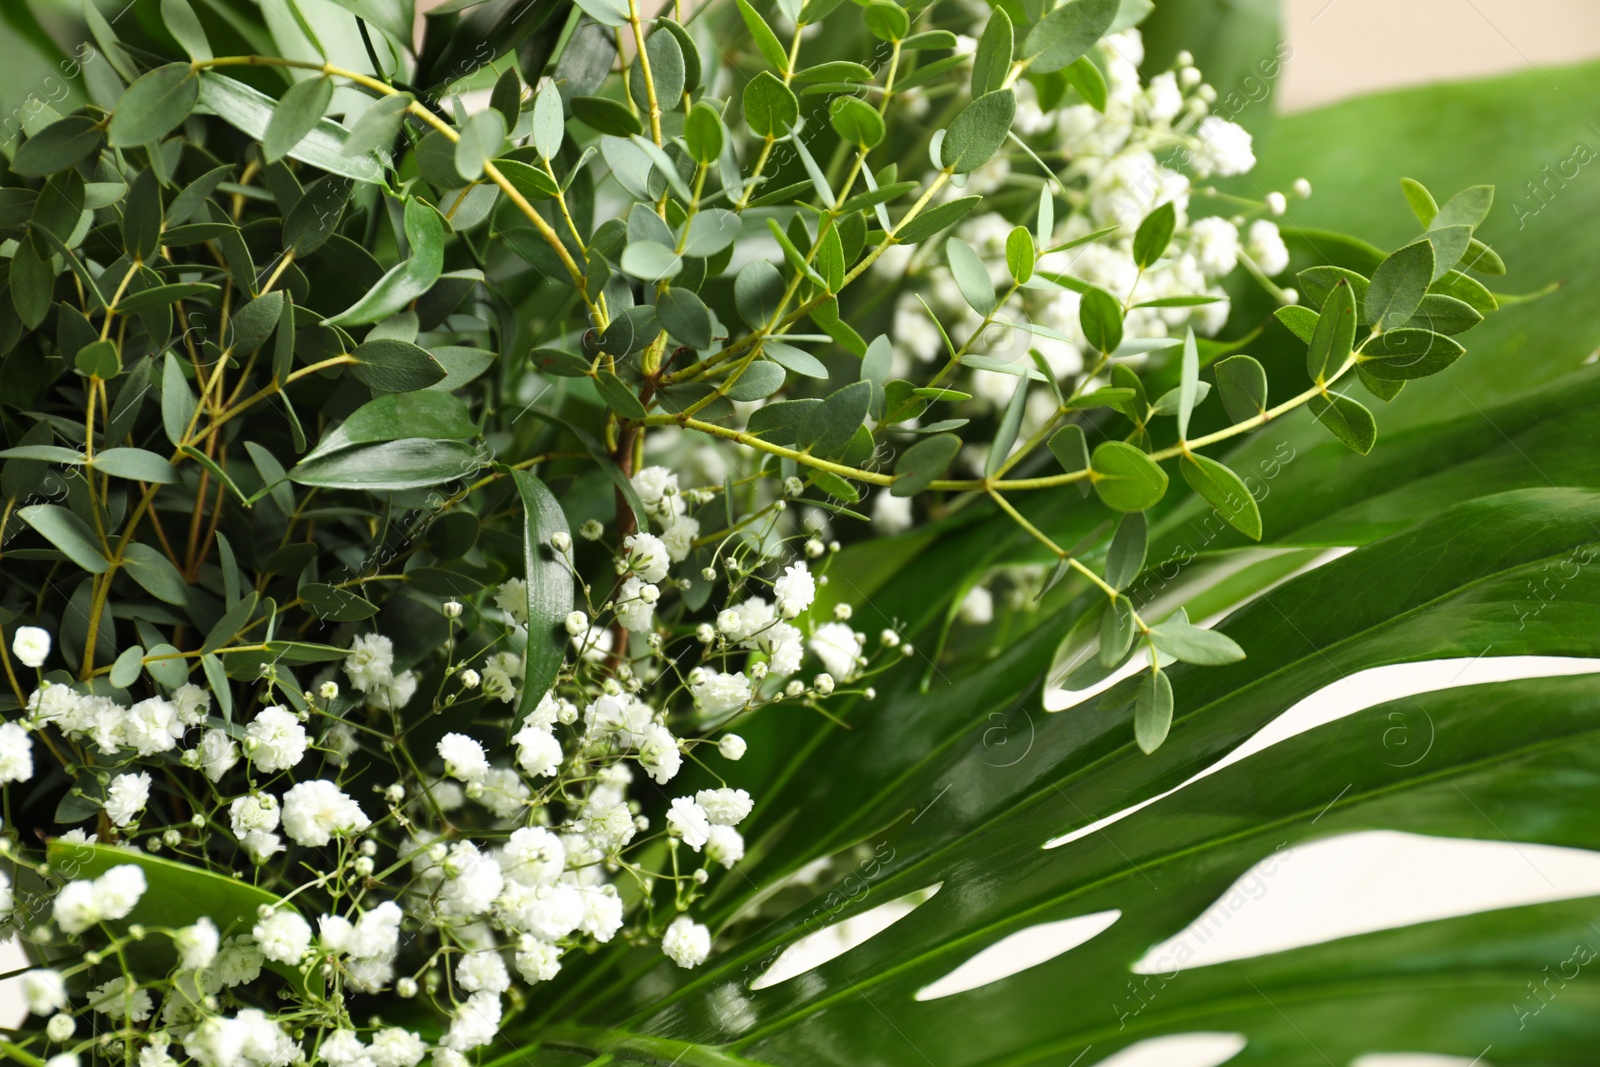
658 490
512 598
1266 247
31 646
577 623
275 740
977 607
686 942
60 1028
81 904
534 856
688 820
283 936
891 514
732 747
647 556
718 694
636 606
218 754
44 991
396 1046
395 695
1215 244
602 911
725 807
370 662
261 845
724 845
476 1022
197 944
473 881
152 726
837 646
316 810
658 753
253 811
463 758
16 753
538 751
1164 100
539 961
343 1048
679 537
503 792
483 971
795 589
126 798
1224 149
119 1000
238 963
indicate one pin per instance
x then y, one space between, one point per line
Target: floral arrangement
422 467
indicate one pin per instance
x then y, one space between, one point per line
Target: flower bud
329 690
577 623
470 679
591 530
561 541
823 683
732 747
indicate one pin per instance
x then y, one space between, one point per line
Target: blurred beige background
1343 48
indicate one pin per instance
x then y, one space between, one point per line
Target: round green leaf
979 131
153 106
1125 478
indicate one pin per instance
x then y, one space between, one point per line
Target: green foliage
314 344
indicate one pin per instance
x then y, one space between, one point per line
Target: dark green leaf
935 219
1125 558
155 573
991 61
1154 234
59 146
297 113
409 463
606 116
685 317
1100 315
1400 355
1070 446
1010 426
1334 337
770 107
1068 32
154 105
618 397
393 366
1347 420
979 131
1398 286
832 423
924 462
856 121
135 463
550 589
765 39
68 533
1152 710
1243 385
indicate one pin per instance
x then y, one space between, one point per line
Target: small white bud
870 693
842 612
732 747
60 1027
758 671
700 876
788 609
470 679
649 594
704 633
1189 77
1206 93
406 988
823 683
729 621
793 486
591 530
363 866
697 676
1291 296
577 623
452 609
890 639
1185 58
780 505
795 688
1302 188
1277 203
329 690
171 838
709 574
815 548
561 542
31 645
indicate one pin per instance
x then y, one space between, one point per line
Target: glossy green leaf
297 113
1100 315
68 533
991 61
1154 234
1347 420
1125 478
924 462
770 107
1242 383
392 366
61 145
1400 355
1399 285
1225 491
1334 336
